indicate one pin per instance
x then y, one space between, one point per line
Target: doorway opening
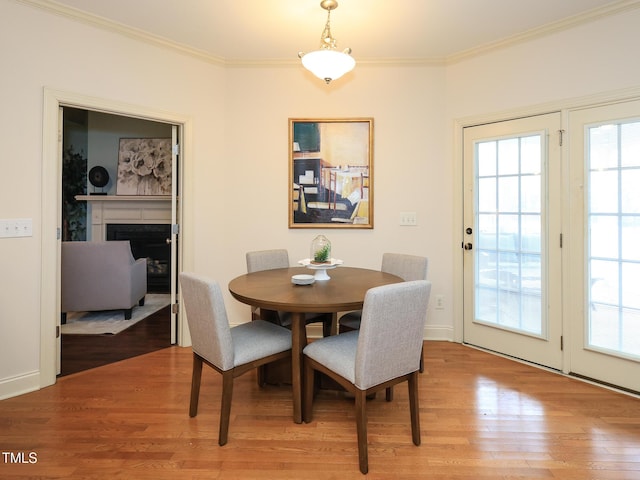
92 142
55 101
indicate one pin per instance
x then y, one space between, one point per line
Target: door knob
468 246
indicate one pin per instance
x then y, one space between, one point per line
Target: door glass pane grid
613 260
508 219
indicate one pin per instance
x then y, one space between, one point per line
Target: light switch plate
408 219
16 227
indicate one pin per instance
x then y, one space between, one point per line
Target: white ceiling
245 31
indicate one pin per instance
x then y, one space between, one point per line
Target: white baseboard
439 333
19 385
314 330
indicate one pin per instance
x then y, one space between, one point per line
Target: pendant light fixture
327 63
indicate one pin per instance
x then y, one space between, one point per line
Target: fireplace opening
150 241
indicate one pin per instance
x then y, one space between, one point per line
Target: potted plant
320 250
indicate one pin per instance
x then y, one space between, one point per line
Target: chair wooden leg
255 315
327 327
225 408
414 408
307 392
389 394
141 302
333 330
196 376
261 376
127 313
422 359
361 426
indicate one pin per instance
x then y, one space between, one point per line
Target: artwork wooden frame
144 166
331 173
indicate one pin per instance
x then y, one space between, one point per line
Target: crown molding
56 8
592 15
116 27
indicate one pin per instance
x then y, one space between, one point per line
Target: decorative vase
320 250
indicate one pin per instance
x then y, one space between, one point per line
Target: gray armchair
101 276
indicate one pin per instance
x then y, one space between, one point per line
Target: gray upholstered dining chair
279 258
383 352
230 351
407 267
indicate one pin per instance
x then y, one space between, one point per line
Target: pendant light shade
327 63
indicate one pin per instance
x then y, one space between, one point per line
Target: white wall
409 165
236 187
586 60
39 50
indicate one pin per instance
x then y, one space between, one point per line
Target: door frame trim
51 207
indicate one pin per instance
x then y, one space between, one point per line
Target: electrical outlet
440 302
408 219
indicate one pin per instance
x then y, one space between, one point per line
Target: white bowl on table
303 279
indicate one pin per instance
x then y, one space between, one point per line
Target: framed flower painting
144 166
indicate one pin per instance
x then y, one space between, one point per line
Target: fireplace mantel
123 198
105 209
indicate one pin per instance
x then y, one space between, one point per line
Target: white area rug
112 321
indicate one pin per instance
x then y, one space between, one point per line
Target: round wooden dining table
274 290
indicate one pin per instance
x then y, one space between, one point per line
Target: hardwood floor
82 352
482 417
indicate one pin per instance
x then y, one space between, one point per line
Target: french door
603 304
512 220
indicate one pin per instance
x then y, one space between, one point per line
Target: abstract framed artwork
331 173
144 166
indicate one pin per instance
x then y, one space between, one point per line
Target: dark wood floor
83 352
